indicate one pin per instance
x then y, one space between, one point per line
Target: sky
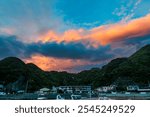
72 35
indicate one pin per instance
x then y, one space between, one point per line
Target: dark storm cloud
137 40
70 50
10 46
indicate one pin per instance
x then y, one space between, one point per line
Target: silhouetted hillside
13 73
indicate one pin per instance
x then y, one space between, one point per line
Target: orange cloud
102 35
123 30
67 36
51 63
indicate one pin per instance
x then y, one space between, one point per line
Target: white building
138 88
75 89
106 88
144 89
44 90
132 88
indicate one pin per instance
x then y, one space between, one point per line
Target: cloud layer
78 48
103 35
13 47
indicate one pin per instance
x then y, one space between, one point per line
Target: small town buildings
136 88
20 91
75 89
44 90
144 89
106 88
132 88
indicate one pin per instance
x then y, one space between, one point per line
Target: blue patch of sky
142 9
84 12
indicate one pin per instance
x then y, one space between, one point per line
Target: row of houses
87 89
130 88
75 89
64 89
106 88
134 88
67 89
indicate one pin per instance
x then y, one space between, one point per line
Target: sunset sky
72 35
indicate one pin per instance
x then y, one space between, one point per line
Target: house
44 90
144 89
106 88
132 88
140 88
75 89
20 92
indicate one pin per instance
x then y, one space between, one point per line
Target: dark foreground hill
16 75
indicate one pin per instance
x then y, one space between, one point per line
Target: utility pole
26 89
